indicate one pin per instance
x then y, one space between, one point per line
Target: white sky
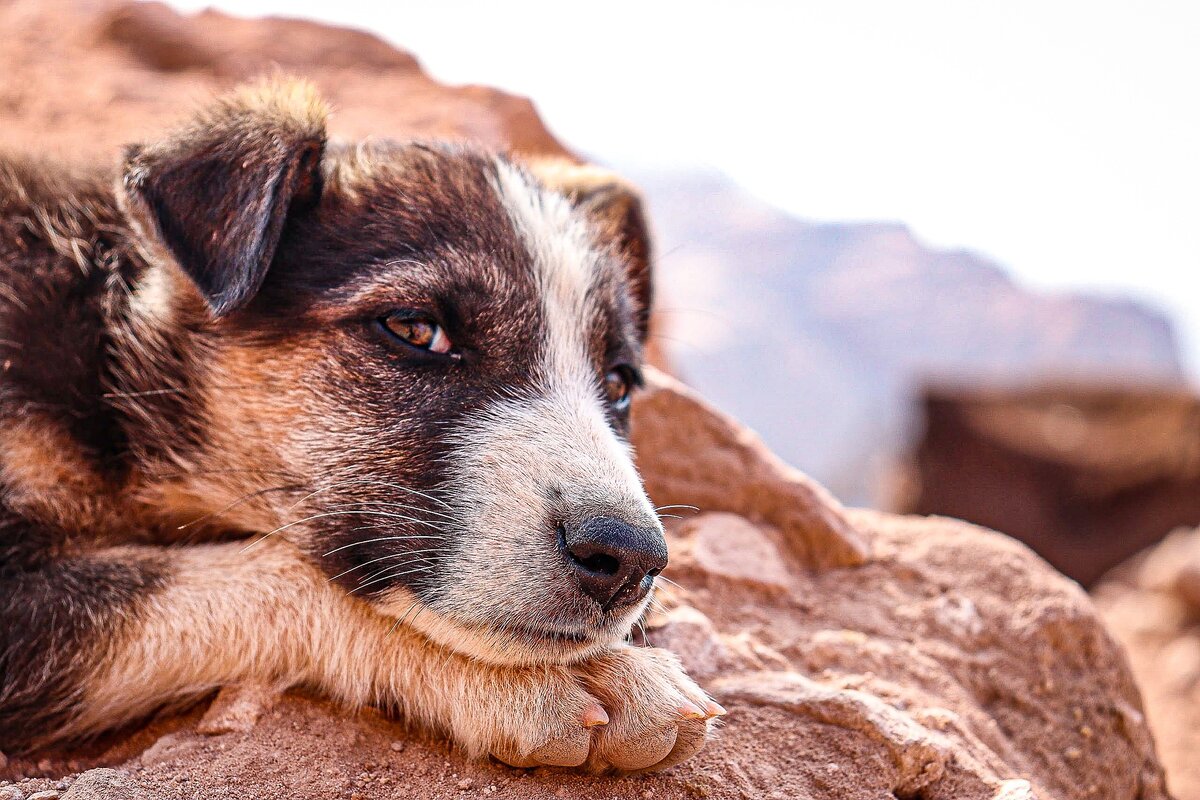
1060 138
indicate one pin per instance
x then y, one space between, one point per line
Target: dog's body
346 417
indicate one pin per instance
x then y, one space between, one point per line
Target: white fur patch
566 264
522 466
526 463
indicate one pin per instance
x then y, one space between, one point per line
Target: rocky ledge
860 655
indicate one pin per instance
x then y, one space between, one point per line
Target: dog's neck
192 467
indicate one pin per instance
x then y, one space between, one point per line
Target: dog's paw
537 717
657 716
632 709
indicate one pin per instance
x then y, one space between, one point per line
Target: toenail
594 716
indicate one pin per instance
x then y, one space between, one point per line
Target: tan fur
358 167
233 614
54 482
575 180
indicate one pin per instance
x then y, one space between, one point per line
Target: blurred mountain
820 336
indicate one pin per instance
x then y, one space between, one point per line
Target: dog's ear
214 196
615 207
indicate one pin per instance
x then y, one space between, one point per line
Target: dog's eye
618 387
420 332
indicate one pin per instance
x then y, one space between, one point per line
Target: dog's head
429 351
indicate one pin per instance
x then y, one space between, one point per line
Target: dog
351 417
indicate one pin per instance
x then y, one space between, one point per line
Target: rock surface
1152 606
950 663
1085 474
79 78
860 655
104 784
954 664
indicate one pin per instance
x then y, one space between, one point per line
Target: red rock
104 784
859 654
1086 475
236 709
732 548
699 457
1151 607
83 78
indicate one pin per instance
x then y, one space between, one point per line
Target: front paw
657 716
631 709
533 717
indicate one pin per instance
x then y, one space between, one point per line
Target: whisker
679 505
645 636
400 618
415 604
669 581
380 539
420 608
658 259
320 516
243 499
657 604
359 481
422 561
383 558
405 506
350 509
421 568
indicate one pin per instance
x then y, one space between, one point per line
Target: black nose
615 562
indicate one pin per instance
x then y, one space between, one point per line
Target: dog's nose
615 562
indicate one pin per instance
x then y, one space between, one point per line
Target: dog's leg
168 624
737 473
59 615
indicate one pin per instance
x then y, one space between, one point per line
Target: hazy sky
1060 138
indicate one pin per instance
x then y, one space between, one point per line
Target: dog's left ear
615 208
213 197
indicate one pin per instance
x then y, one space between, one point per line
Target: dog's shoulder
46 191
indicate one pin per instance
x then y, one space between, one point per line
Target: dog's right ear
614 206
215 195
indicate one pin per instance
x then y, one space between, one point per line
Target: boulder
860 655
1152 606
1085 474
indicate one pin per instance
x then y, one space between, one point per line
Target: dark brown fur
191 353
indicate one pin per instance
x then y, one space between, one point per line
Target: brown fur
193 354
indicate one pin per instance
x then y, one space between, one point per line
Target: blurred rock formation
1085 475
821 335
